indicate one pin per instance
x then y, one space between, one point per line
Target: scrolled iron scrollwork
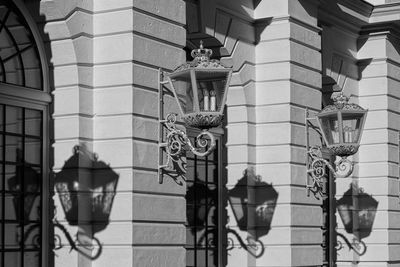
317 169
177 140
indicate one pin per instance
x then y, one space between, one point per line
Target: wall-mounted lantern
341 126
200 88
79 189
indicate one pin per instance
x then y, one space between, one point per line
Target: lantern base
343 150
204 119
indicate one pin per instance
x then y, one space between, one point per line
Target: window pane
14 149
12 259
33 122
31 258
12 234
32 151
14 120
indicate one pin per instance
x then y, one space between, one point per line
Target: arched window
24 103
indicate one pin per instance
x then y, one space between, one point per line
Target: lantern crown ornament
340 125
200 89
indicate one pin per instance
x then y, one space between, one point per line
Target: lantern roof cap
341 102
201 60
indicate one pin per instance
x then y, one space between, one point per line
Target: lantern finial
340 100
201 54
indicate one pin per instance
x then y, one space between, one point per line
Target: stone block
115 256
68 95
171 9
122 21
145 128
65 76
158 28
158 208
241 154
112 127
117 234
112 48
71 127
145 155
373 48
378 153
104 5
379 169
280 154
156 53
280 92
305 56
146 76
236 114
305 35
80 22
117 153
147 181
158 256
122 208
62 53
113 100
119 74
156 234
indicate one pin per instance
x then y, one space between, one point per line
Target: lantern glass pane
211 89
330 127
351 127
237 207
184 91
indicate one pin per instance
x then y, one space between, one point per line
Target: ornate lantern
99 185
253 204
26 191
362 210
200 88
341 125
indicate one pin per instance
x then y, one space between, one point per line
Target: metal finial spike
201 44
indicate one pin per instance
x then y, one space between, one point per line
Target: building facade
79 134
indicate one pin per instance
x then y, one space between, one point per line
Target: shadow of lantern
91 191
203 200
253 204
357 211
25 187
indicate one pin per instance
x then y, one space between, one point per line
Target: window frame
221 205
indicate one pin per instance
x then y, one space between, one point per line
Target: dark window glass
20 185
202 210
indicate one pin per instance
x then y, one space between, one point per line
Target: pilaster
288 80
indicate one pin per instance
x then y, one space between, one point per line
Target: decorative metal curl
254 247
358 246
317 169
177 140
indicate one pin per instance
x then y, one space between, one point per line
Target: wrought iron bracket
358 246
316 164
172 141
254 247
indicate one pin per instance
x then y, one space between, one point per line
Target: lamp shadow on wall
357 211
86 188
253 203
